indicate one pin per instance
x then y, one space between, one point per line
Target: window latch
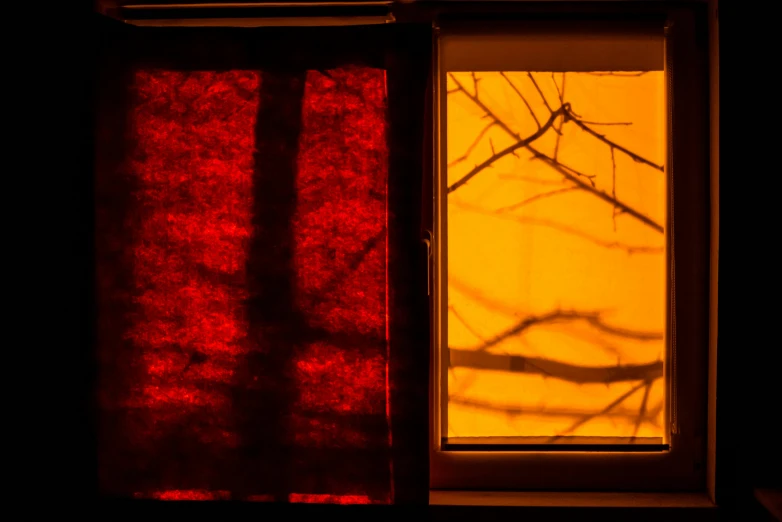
428 240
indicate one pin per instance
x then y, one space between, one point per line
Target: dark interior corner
748 454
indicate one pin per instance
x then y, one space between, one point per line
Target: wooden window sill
569 499
487 506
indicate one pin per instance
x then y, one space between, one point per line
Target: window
251 289
561 358
261 289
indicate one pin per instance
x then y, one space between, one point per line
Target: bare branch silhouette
530 179
474 83
466 383
595 338
630 249
607 409
481 360
604 122
642 411
534 198
525 324
560 93
521 143
562 120
476 295
613 186
567 172
542 96
509 150
516 90
593 318
465 324
596 322
480 357
472 146
601 137
649 417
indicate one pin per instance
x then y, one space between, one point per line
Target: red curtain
242 288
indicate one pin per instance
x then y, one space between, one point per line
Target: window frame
682 468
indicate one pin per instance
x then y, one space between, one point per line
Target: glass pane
556 258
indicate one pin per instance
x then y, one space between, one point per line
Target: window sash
680 467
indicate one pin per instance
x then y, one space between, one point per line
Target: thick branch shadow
265 389
558 370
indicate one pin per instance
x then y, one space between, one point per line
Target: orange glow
556 254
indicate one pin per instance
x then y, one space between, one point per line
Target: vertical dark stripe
409 181
113 278
265 390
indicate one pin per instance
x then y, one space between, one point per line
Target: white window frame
682 467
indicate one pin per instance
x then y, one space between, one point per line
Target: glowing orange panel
556 257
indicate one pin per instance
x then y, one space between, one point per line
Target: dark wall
748 390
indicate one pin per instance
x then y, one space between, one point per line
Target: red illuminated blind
242 289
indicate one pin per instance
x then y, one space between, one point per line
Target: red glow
388 344
188 231
193 166
340 380
311 431
187 494
329 499
340 223
340 254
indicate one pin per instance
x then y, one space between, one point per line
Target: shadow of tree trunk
265 388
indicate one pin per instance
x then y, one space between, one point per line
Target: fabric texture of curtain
247 313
